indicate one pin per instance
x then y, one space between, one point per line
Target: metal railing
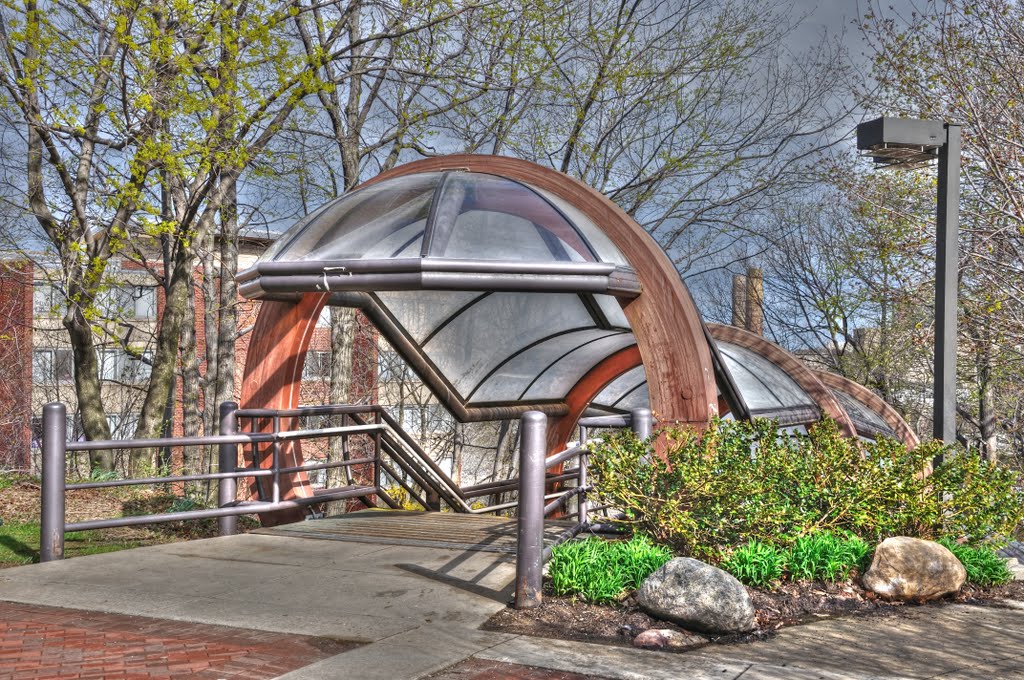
395 456
531 553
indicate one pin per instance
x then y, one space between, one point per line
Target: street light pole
947 265
912 143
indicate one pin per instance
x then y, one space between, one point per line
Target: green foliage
822 556
984 567
826 556
603 571
739 481
756 563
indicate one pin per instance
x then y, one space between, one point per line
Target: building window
51 365
390 366
128 301
46 300
317 366
412 418
122 425
118 366
73 431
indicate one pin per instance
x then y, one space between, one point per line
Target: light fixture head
901 142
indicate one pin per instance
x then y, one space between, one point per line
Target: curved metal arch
873 402
794 368
664 319
272 380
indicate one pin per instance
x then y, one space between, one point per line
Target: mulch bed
790 604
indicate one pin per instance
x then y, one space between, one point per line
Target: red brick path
47 642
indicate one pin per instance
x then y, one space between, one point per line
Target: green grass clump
822 556
19 543
756 564
603 571
984 566
826 556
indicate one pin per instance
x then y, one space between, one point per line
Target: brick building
36 363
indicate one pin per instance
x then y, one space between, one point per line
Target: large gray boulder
907 568
697 596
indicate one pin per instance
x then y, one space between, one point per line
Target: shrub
984 566
756 563
603 571
826 556
739 481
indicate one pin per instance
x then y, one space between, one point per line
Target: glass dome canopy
499 294
446 230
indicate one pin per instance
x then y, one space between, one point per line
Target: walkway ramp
453 531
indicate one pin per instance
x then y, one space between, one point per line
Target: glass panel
612 311
618 388
861 414
556 381
600 243
496 327
509 381
383 220
482 217
762 384
638 398
421 311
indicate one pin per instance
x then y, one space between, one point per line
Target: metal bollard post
227 462
641 422
582 507
530 547
51 524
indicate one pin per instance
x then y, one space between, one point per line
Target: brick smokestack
739 300
755 301
748 300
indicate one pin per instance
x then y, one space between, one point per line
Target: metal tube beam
227 461
242 508
641 422
51 520
530 546
947 226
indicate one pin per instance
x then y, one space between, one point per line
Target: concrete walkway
417 610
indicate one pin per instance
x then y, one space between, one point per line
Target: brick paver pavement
47 642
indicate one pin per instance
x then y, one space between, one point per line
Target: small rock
698 596
907 568
666 638
1016 568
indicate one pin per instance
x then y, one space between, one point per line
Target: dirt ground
19 503
790 604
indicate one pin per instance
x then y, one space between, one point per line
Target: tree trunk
192 416
227 325
342 335
87 387
986 406
165 356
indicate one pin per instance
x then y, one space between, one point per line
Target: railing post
582 509
376 450
228 462
51 520
530 547
641 422
275 463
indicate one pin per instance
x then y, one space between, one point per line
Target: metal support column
228 462
947 221
582 507
641 422
530 547
51 524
